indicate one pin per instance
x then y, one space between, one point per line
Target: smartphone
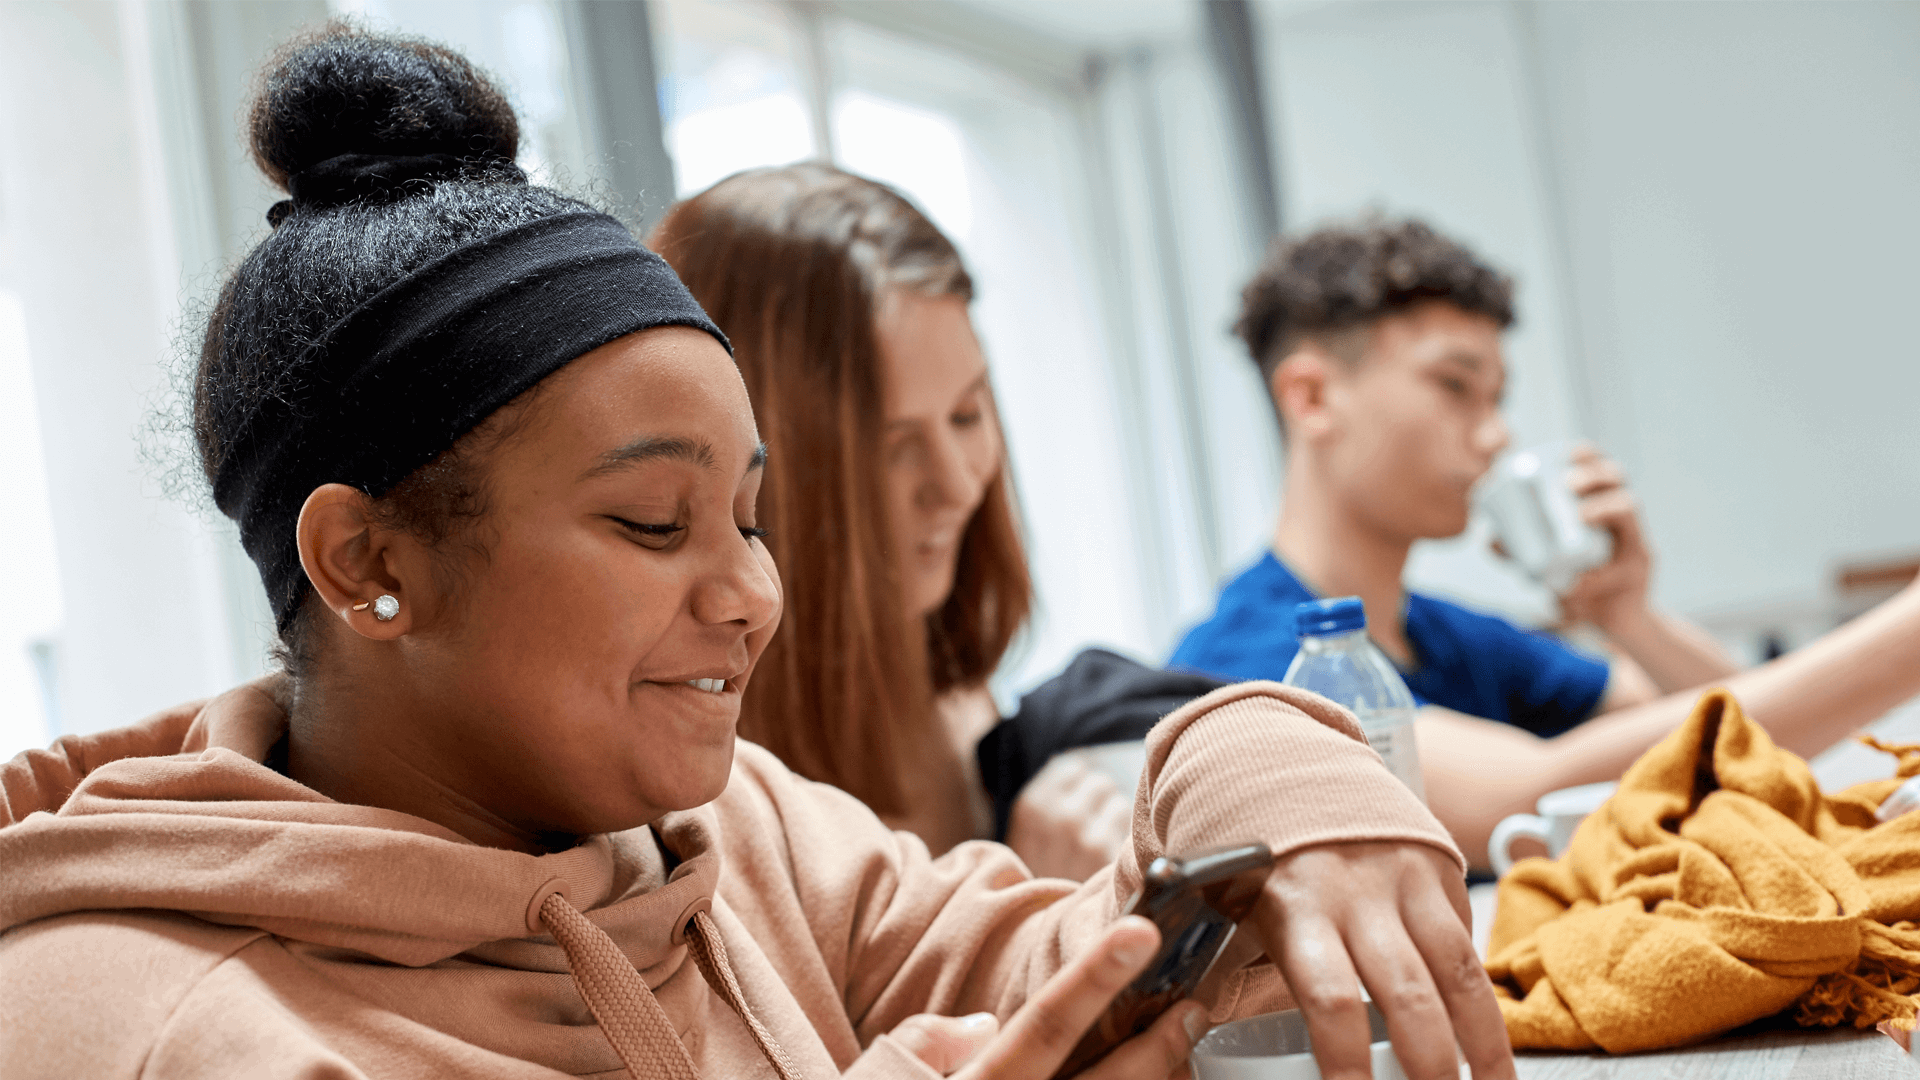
1197 901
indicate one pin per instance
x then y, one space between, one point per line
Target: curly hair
343 90
1347 277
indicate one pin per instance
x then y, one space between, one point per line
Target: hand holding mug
1616 589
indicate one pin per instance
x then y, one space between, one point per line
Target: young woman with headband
498 473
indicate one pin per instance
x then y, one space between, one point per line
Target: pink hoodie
170 907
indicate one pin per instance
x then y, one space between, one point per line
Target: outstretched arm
1478 771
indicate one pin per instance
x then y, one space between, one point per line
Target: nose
1492 434
741 588
951 480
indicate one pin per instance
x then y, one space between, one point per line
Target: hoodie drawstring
703 941
629 1015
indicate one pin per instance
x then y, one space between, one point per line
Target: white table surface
1791 1055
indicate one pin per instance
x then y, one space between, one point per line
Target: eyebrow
667 448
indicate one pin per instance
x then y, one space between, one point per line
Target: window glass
916 150
731 90
523 43
30 614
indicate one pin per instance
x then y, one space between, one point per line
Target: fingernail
976 1022
1195 1022
1132 954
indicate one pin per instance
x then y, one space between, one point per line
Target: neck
378 749
1335 551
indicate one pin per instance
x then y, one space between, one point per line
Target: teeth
711 686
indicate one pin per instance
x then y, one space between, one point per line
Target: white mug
1561 812
1537 516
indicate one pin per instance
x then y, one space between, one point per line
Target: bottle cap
1337 616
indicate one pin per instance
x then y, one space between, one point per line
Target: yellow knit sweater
1716 888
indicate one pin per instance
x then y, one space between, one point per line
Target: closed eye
641 528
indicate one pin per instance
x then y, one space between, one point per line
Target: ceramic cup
1274 1046
1537 516
1561 812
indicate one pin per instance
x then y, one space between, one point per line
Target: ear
352 561
1299 386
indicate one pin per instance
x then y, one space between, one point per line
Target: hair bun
344 93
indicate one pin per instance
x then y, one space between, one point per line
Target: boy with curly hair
1380 343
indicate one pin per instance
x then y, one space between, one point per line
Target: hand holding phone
1196 901
1308 908
1040 1035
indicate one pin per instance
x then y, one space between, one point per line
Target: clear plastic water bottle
1337 662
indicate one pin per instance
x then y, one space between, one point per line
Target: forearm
1478 772
1807 700
1261 761
1818 694
1674 653
968 932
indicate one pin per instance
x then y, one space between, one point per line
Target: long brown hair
794 263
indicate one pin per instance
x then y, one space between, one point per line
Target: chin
1446 522
700 778
930 597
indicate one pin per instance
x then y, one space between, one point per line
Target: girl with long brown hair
889 503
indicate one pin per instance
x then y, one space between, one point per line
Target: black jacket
1101 697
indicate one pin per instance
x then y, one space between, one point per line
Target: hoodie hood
179 813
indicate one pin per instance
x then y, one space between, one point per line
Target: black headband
422 362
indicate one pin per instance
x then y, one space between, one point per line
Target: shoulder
66 973
773 819
1266 583
39 779
1250 633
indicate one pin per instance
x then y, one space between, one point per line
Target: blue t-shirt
1477 664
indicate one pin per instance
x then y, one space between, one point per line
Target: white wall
1710 209
1743 193
33 609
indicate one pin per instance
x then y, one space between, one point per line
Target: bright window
732 89
921 153
716 142
30 610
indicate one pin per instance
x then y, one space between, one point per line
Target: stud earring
384 607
